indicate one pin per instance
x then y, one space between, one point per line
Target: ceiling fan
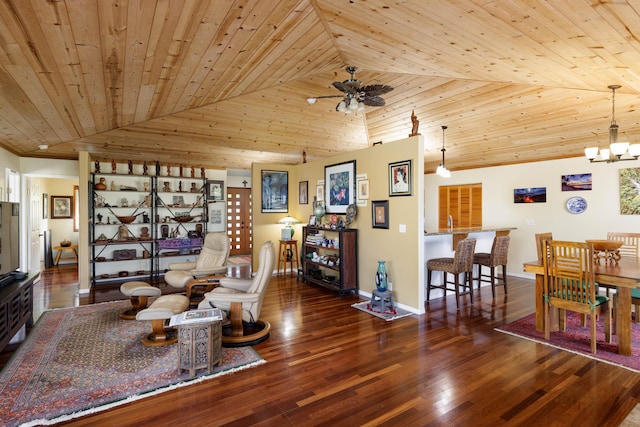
355 95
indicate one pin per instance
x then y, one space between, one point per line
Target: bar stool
461 263
497 258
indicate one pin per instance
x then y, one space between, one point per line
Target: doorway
239 217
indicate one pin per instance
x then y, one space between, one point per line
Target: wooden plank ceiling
223 83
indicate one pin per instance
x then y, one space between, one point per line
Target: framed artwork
303 192
275 191
312 220
339 186
380 214
363 189
215 190
76 208
320 193
400 178
45 206
216 217
628 179
576 182
530 195
61 207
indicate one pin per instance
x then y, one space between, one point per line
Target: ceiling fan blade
373 101
341 86
375 90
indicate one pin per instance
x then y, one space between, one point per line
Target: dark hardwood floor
330 364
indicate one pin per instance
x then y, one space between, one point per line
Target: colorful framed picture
380 214
400 178
530 195
576 182
215 190
303 192
275 191
339 186
61 207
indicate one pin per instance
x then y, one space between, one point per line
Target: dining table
623 275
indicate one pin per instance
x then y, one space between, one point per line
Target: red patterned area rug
81 360
577 339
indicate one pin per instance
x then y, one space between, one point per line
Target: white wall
602 214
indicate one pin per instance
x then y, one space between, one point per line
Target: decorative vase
319 211
381 277
101 185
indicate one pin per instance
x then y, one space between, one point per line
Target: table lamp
287 231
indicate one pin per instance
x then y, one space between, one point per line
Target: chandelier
617 150
442 169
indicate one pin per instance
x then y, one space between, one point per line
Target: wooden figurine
415 123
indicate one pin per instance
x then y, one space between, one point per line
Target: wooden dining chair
569 284
541 237
630 248
461 263
630 243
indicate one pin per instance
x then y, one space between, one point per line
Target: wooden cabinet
140 223
16 308
330 258
463 203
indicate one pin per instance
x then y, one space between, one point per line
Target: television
9 239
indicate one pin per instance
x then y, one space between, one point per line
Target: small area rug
81 360
386 315
577 339
239 260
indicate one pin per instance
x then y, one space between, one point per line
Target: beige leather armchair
212 260
242 299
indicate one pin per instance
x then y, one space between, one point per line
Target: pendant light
616 150
442 169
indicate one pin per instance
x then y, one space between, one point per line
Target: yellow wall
402 252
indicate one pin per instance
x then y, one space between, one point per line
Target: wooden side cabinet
16 308
330 258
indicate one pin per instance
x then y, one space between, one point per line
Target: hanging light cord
443 150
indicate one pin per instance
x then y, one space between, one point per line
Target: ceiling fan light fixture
616 151
353 104
360 107
342 106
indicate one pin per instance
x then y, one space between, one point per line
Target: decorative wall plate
576 205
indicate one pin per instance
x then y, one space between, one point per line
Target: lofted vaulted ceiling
223 83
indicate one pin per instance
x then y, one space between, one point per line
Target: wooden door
239 217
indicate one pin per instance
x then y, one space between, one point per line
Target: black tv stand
16 301
6 280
